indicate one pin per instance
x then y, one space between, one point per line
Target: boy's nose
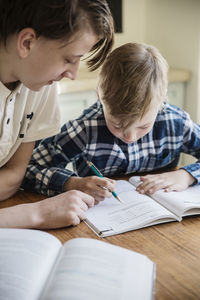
129 137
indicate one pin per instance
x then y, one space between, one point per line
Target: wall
133 15
174 27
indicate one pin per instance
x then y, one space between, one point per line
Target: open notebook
35 265
111 217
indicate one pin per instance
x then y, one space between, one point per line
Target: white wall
133 22
174 27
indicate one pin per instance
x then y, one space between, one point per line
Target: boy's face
50 60
130 132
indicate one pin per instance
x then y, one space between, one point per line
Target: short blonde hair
132 75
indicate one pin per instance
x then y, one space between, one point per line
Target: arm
12 173
62 210
46 172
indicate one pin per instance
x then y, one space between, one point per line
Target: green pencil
98 173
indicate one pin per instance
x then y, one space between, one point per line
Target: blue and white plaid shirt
87 137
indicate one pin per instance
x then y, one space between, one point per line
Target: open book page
110 216
26 258
184 203
91 269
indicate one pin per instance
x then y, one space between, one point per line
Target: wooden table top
174 247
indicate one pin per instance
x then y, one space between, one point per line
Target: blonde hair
130 78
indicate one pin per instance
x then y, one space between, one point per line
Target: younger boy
129 129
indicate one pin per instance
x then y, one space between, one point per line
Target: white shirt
26 116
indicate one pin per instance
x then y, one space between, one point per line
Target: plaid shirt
87 137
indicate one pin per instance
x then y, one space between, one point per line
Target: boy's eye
117 126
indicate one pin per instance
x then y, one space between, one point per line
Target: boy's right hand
97 187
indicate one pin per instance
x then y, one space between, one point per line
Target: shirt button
8 120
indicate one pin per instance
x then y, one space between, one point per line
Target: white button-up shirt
26 116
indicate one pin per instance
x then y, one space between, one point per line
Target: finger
112 181
147 177
76 220
81 215
98 196
78 217
152 187
83 206
88 199
166 186
103 192
155 182
145 187
107 184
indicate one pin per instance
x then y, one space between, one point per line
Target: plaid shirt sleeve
191 145
46 172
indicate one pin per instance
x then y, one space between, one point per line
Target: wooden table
174 247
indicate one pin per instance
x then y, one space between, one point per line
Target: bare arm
66 209
12 173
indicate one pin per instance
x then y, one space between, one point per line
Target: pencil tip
119 199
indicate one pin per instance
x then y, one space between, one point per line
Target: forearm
9 182
19 216
12 173
62 210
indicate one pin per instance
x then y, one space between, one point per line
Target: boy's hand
178 180
97 187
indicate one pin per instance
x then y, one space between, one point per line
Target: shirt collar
5 92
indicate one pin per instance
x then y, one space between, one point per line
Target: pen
98 173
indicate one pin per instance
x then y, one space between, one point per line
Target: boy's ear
97 91
25 41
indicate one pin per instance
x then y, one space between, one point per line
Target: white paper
26 258
137 211
94 270
182 203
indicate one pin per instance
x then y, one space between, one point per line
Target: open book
111 217
35 265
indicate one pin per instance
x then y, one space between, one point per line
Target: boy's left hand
178 180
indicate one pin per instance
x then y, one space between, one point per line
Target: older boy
42 42
129 129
